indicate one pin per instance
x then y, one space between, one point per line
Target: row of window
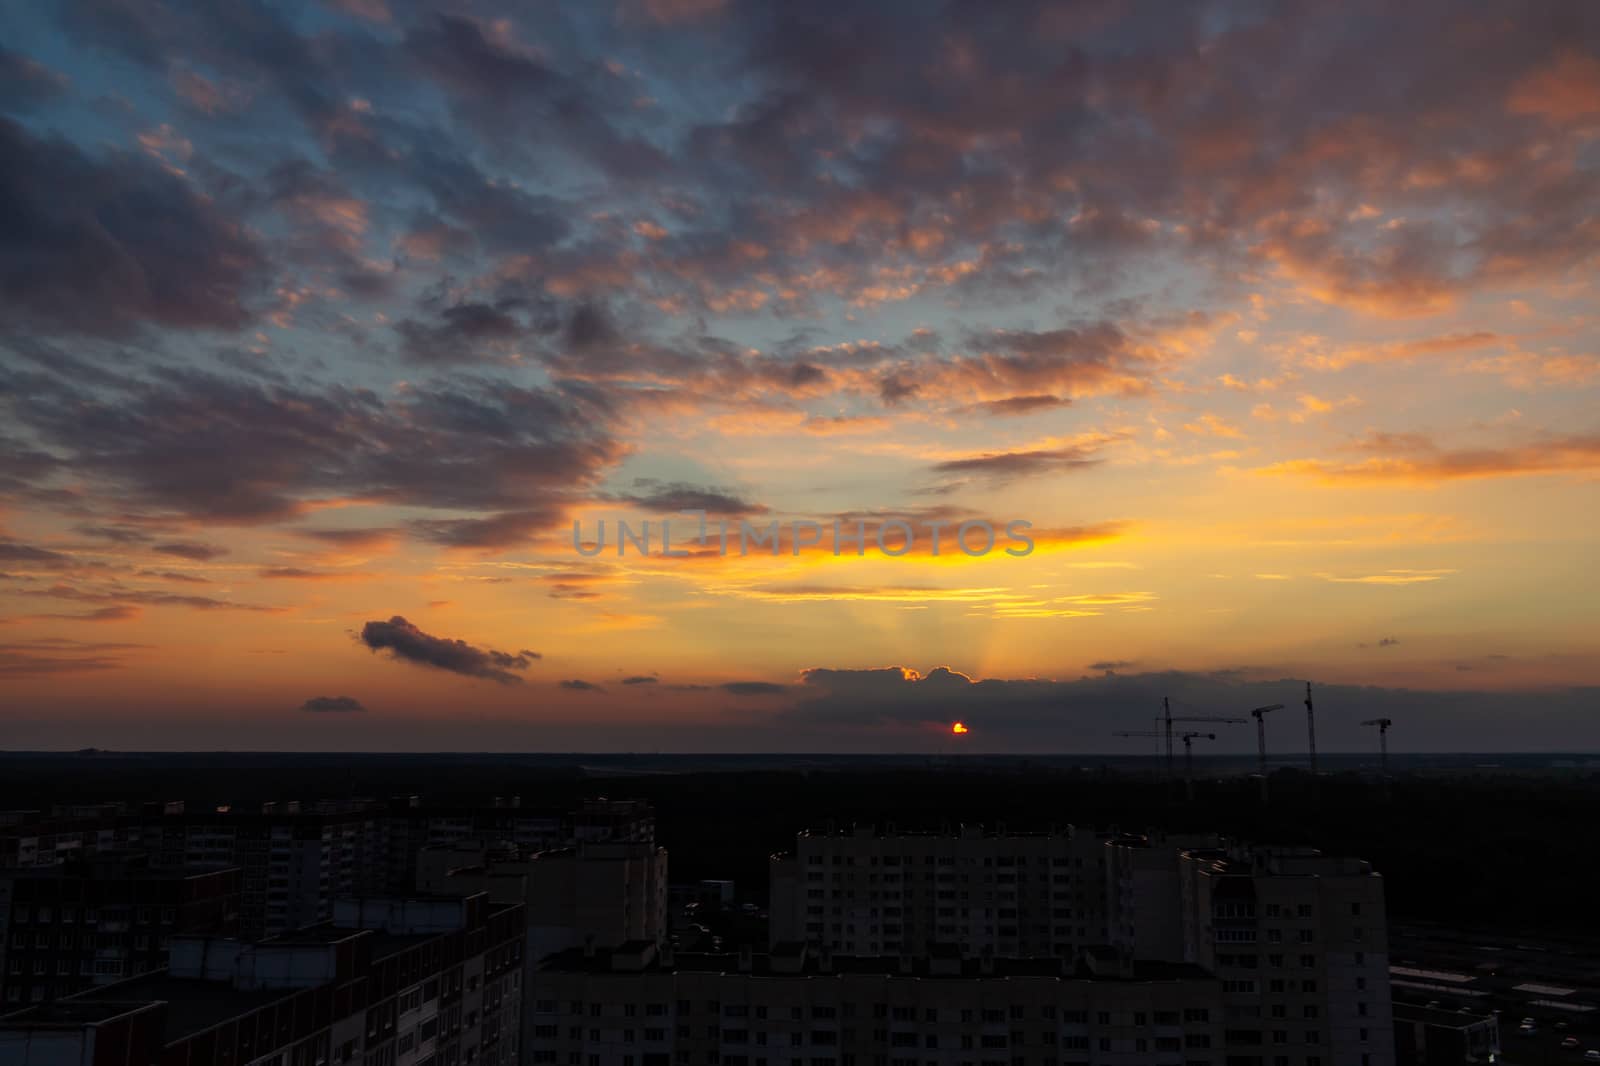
69 915
901 1013
831 1037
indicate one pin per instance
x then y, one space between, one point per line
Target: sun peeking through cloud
959 728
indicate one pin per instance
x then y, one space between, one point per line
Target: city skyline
324 326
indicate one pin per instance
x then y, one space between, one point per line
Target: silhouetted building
606 892
389 982
1300 942
93 921
1427 1036
296 858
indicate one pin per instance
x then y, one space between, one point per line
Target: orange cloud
1564 91
1424 463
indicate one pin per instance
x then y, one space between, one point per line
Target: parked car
1570 1041
1591 1055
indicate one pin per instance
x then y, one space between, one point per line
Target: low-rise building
1427 1036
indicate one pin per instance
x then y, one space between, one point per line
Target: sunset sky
320 325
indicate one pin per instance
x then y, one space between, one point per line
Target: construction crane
1260 715
1189 756
1168 719
1221 718
1383 725
1166 710
1311 729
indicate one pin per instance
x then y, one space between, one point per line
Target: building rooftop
959 831
192 1005
71 1013
1263 860
1449 1019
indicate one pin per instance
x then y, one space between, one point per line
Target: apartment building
864 892
296 858
636 1006
605 892
1297 941
94 921
1143 891
388 982
1300 942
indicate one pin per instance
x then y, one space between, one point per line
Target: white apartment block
1010 895
1295 941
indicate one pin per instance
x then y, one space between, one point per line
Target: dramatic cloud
189 550
13 553
753 688
101 246
581 686
1407 459
464 333
25 82
407 643
1022 464
332 704
672 497
234 452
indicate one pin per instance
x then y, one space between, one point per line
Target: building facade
388 983
793 1007
1009 895
1300 942
87 922
295 859
1296 941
